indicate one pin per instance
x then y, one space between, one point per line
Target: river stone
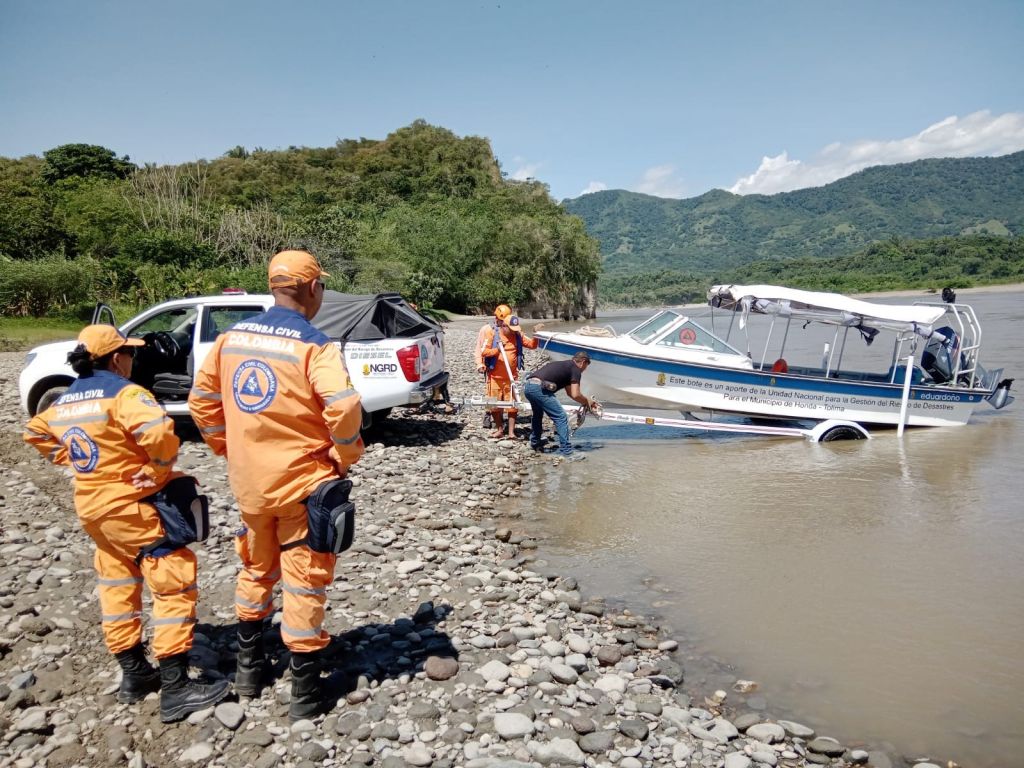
557 752
747 719
680 718
385 730
511 725
441 667
610 683
494 670
424 710
769 733
858 756
824 745
33 719
563 673
609 655
257 736
418 755
796 729
197 753
737 760
582 725
598 742
230 715
681 751
765 758
314 752
634 729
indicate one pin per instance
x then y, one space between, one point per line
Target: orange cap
101 340
293 268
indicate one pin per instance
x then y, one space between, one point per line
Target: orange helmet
502 312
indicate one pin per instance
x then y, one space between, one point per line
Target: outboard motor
1001 397
940 354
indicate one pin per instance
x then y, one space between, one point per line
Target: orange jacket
274 396
106 429
486 348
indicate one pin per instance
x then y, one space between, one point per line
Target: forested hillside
422 211
919 224
719 230
896 263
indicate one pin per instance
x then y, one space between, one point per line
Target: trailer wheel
841 432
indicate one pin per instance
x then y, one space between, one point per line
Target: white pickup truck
395 356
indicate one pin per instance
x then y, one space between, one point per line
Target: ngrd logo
380 369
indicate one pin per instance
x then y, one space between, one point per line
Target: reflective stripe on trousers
171 579
305 575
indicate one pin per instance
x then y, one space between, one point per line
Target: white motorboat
671 361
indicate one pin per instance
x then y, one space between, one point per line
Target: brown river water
873 589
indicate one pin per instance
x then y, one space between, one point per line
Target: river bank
453 642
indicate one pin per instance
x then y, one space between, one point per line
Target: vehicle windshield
653 328
690 335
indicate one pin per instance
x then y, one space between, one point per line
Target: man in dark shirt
541 388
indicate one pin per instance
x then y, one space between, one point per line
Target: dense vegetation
655 247
960 262
423 212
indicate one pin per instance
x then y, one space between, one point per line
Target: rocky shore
453 643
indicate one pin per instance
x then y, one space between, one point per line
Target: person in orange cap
274 397
499 355
121 447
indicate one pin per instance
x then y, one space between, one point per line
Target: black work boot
138 678
250 663
180 695
306 699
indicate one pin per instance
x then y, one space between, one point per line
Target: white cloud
524 170
977 134
594 186
661 182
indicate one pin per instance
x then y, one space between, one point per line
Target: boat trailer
822 432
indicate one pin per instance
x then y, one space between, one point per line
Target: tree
84 161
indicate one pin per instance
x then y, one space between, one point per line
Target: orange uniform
107 429
488 354
274 396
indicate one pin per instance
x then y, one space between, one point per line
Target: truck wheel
49 397
374 418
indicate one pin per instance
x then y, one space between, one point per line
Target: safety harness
490 362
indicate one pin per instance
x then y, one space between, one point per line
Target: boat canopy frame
911 324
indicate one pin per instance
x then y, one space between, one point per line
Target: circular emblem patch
254 386
82 450
687 336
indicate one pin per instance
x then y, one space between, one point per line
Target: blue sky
669 98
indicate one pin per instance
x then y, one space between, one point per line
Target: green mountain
721 231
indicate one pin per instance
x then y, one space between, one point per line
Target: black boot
138 678
180 695
306 699
251 663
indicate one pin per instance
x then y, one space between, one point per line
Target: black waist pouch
332 517
184 514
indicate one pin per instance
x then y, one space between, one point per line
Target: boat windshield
689 335
653 328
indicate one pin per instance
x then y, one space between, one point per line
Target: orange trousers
500 388
306 575
171 579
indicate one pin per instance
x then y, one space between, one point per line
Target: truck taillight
409 359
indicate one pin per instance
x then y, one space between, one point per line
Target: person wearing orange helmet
275 398
499 356
121 448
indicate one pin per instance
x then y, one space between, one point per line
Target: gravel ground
453 644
